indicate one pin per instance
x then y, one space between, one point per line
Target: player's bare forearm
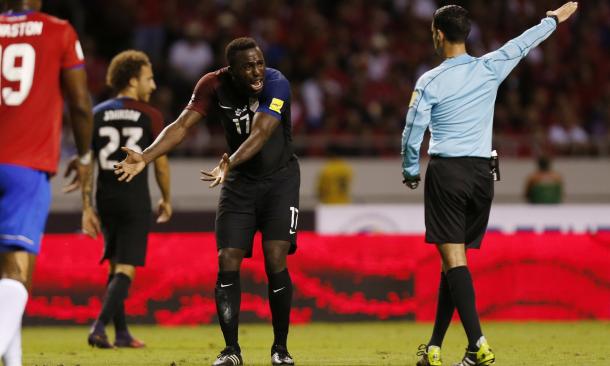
253 144
262 128
74 85
82 127
162 176
171 136
86 176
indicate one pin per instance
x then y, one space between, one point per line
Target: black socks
120 321
444 313
116 293
280 302
228 298
462 291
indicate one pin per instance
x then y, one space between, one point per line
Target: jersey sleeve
417 120
506 58
72 55
203 95
274 98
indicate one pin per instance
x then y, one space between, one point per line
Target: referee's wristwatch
555 18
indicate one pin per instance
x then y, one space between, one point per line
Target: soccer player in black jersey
260 183
125 209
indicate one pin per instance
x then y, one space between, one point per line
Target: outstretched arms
262 127
171 136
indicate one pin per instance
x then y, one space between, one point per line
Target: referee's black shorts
269 205
125 236
457 194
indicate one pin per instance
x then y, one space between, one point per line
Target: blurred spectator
545 185
313 99
567 135
335 179
352 64
190 56
150 34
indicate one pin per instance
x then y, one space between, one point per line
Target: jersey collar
458 59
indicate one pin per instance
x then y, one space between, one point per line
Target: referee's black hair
453 21
236 45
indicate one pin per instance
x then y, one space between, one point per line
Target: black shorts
125 236
458 195
269 205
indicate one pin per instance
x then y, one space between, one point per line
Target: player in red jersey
41 58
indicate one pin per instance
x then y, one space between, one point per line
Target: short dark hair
236 45
124 66
453 21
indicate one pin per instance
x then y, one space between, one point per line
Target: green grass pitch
375 343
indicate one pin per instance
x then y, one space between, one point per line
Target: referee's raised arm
504 60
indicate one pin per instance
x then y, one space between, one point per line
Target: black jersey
122 122
217 97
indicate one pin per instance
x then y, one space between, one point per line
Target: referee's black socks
280 302
462 291
228 298
444 312
115 295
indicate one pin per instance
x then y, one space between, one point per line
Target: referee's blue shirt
456 100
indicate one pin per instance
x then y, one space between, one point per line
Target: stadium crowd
353 64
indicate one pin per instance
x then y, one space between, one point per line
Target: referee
456 99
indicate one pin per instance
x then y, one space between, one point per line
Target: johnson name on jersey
122 122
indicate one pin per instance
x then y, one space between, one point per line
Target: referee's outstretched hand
564 12
130 167
218 174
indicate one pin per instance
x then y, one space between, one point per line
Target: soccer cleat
99 340
228 357
482 357
280 356
128 342
430 355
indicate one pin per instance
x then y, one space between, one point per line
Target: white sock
481 341
13 297
12 356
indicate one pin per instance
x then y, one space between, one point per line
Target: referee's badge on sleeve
413 98
276 105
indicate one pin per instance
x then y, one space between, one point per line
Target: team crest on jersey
276 105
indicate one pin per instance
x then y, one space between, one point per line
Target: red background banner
521 276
